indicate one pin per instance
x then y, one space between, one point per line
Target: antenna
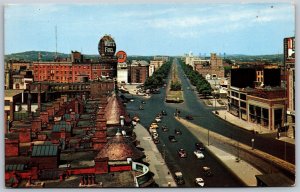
55 41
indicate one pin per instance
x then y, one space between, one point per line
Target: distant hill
247 58
45 56
49 56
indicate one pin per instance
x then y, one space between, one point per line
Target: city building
289 72
122 73
139 71
79 69
255 95
213 66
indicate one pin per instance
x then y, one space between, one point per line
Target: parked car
178 132
163 112
199 146
182 153
199 154
153 125
156 141
199 182
136 119
172 139
154 135
157 120
189 117
179 178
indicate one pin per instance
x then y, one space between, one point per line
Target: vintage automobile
189 117
199 182
163 112
164 128
199 154
182 153
207 171
179 178
177 132
199 146
172 139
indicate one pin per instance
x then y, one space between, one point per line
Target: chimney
76 107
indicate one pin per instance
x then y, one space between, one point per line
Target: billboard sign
107 46
289 50
122 56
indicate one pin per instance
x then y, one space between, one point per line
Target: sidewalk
226 116
156 162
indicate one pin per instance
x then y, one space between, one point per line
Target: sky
150 29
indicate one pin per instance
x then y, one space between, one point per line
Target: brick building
213 67
139 71
255 95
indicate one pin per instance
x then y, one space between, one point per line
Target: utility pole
207 136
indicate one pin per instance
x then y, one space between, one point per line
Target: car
131 100
156 141
199 146
189 117
172 139
157 120
178 132
163 112
141 107
136 119
154 135
207 171
199 154
153 125
199 182
164 128
143 102
179 178
182 153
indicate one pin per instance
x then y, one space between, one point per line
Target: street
191 166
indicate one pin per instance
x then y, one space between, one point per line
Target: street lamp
207 136
252 141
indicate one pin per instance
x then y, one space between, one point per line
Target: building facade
139 71
255 95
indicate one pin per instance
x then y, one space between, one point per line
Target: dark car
182 153
199 146
156 141
172 138
143 102
163 112
164 128
189 117
179 178
178 132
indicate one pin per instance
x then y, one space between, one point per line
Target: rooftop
44 150
12 92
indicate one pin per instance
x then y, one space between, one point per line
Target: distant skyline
150 29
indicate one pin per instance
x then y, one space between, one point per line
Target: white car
157 120
199 182
199 154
